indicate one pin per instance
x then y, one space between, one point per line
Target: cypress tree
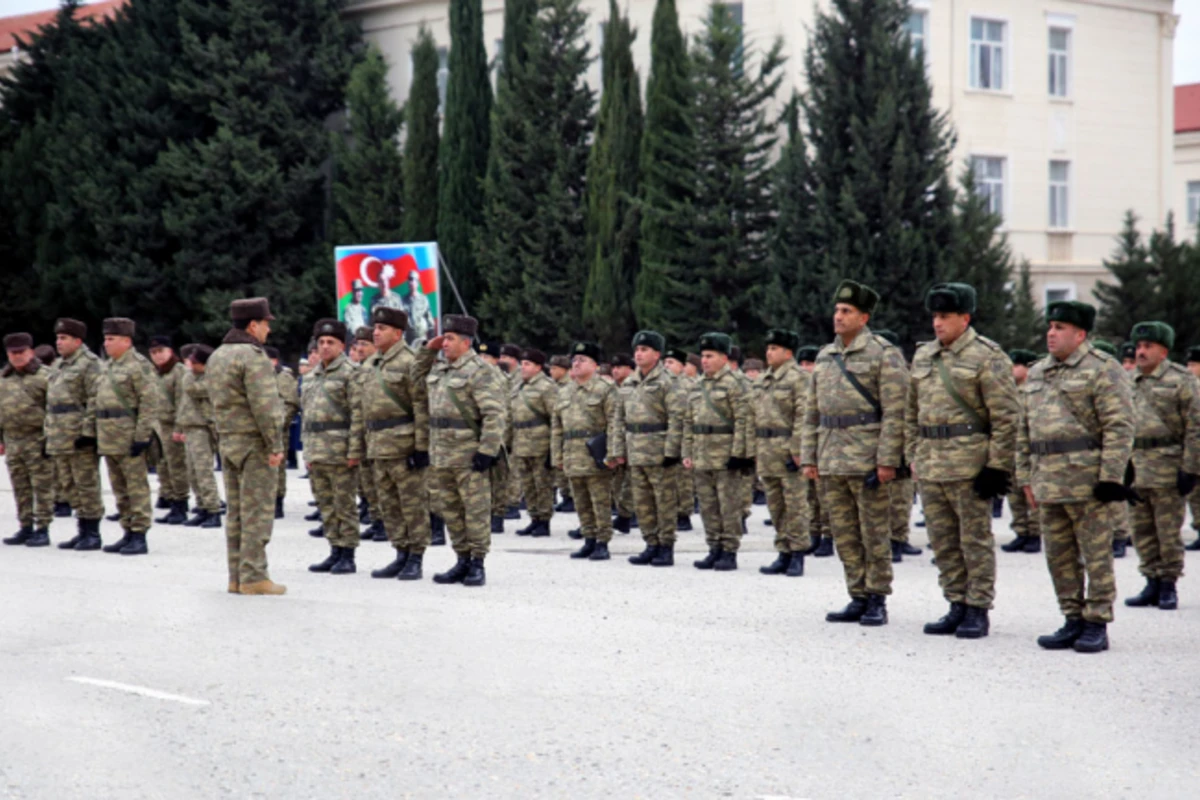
1132 298
421 145
788 266
1178 298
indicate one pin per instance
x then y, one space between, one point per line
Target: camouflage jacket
23 402
68 414
333 414
289 394
194 409
532 407
653 408
455 436
126 403
780 397
843 433
717 421
168 386
1166 408
1083 405
581 412
394 403
943 441
241 387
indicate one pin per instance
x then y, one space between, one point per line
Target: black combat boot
1033 544
136 545
759 498
796 566
89 530
278 508
381 532
633 523
779 566
665 557
646 556
392 569
726 562
211 521
317 532
497 524
948 624
412 567
114 517
476 576
709 560
40 538
528 529
897 552
975 625
375 532
1064 637
162 503
21 536
1119 546
575 533
1194 546
620 524
512 512
345 565
1148 596
364 511
853 612
567 506
69 544
198 517
589 547
456 573
876 612
684 523
118 545
437 531
908 550
1093 638
176 516
62 509
767 522
824 548
1168 600
315 516
600 552
335 555
1016 545
541 527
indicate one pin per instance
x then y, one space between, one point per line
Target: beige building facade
1187 160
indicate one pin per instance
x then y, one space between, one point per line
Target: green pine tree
1178 296
1028 329
1134 297
421 145
982 257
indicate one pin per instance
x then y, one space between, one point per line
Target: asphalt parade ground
140 677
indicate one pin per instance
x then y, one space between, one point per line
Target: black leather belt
645 427
66 408
1053 447
773 433
568 435
322 427
385 424
453 423
529 423
112 413
1152 442
712 430
949 431
849 420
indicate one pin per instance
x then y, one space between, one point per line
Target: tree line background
186 152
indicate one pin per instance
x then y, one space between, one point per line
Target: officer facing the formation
289 398
652 405
173 489
718 449
961 437
333 444
780 399
467 418
1166 461
395 413
1025 522
23 386
246 411
532 409
1074 444
853 443
126 403
194 429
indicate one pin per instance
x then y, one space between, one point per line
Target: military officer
753 368
961 441
652 406
355 315
559 368
62 482
586 443
719 451
333 443
362 354
1122 537
467 418
194 429
623 520
506 492
246 409
23 387
173 489
1074 443
675 360
532 409
781 396
853 443
289 399
818 520
1193 365
1024 520
1166 461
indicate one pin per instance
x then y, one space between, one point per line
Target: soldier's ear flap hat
951 298
1072 312
249 309
589 349
272 352
694 360
160 341
678 353
461 324
119 326
652 339
788 340
717 342
536 356
392 317
71 327
855 294
1023 358
753 364
365 334
1157 332
890 336
510 350
45 353
622 360
808 353
1129 351
330 327
562 362
1105 346
200 353
15 342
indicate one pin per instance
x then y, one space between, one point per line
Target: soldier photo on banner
398 276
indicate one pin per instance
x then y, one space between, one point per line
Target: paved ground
563 679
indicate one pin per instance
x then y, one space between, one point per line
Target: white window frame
1192 208
1070 288
1005 46
1058 65
443 79
1005 181
922 11
1060 190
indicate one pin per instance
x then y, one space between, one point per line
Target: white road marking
142 690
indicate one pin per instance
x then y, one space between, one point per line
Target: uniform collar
334 365
959 344
775 373
856 344
1073 359
721 373
396 349
1156 374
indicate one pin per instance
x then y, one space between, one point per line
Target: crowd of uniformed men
1089 446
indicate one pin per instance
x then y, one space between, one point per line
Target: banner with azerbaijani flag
401 276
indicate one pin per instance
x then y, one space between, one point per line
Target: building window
989 181
987 54
1060 193
443 76
498 61
1193 202
1058 292
918 30
1060 62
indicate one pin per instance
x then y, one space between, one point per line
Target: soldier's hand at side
275 459
687 463
137 448
1 449
1029 497
613 463
810 472
435 343
84 442
178 437
352 462
418 460
886 474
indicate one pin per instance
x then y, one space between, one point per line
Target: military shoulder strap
462 410
395 398
341 410
711 407
948 383
858 387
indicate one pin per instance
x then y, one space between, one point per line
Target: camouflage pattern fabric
131 488
959 525
818 524
463 498
654 500
289 397
125 404
1157 526
653 409
193 419
172 468
333 416
1078 549
72 383
333 487
582 411
720 427
781 396
593 503
788 503
858 522
22 421
1025 521
80 469
900 501
537 486
403 504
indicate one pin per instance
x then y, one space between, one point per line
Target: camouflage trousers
655 503
172 469
858 522
62 482
562 483
250 496
622 491
31 473
593 503
333 487
1157 533
281 477
1194 505
788 504
900 502
402 504
199 444
960 530
130 482
364 475
685 488
463 498
1121 526
722 501
537 482
81 471
1078 545
515 482
498 480
818 519
1024 519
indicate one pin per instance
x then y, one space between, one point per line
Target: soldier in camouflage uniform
194 428
586 409
1166 461
362 354
246 409
333 443
901 493
747 476
289 399
1074 444
395 414
71 429
818 520
62 482
532 408
173 489
1025 522
685 490
560 373
780 399
961 441
623 520
1193 499
853 444
1122 538
510 364
467 418
652 406
718 449
23 385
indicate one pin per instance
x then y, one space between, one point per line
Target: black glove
137 448
482 463
418 460
549 463
903 472
739 463
992 483
672 461
1112 492
84 442
872 480
44 453
790 465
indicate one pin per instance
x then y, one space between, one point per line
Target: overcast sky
1187 36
